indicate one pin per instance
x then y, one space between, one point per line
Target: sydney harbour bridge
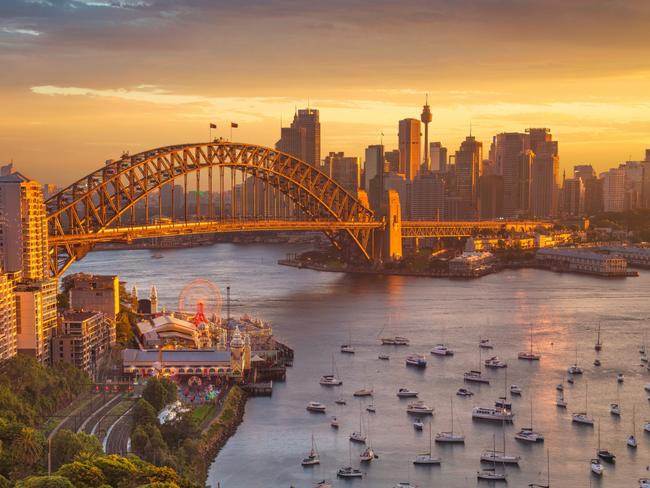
249 188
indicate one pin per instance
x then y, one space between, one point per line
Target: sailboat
615 408
475 376
358 436
500 456
584 417
333 378
349 471
527 434
368 453
450 437
631 440
548 474
596 467
560 401
426 458
575 369
312 458
529 355
491 473
599 345
604 454
348 348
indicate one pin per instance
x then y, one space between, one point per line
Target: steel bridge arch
97 201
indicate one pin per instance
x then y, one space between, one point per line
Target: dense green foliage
635 221
160 392
67 446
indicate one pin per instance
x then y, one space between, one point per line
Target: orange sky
83 80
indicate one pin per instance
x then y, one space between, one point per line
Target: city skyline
127 88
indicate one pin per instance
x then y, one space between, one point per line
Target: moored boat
416 360
495 414
419 408
316 407
406 393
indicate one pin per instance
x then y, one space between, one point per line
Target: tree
82 475
154 392
123 329
117 470
28 447
66 446
144 413
171 390
45 482
180 428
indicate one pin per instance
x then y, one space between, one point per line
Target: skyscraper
426 118
544 185
409 148
490 196
512 159
344 169
375 165
614 190
428 197
573 193
8 333
392 161
302 138
467 168
438 155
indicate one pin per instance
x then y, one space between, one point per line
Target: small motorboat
316 407
441 350
620 378
416 360
606 455
491 474
582 418
418 425
596 362
615 409
347 349
475 377
561 402
515 390
363 392
494 362
419 408
340 401
485 344
371 408
631 441
574 369
367 455
596 467
349 472
570 380
560 387
330 380
464 392
406 393
529 435
384 357
334 423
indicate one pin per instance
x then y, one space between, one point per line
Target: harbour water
315 312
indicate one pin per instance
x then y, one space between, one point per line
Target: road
118 435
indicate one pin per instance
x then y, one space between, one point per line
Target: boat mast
430 450
451 400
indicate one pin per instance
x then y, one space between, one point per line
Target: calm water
315 312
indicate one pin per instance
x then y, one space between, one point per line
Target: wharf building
24 254
581 261
471 264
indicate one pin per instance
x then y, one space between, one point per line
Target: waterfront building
512 157
302 138
613 190
490 196
544 186
409 148
8 332
438 157
83 339
582 261
573 194
169 331
36 317
467 171
94 292
344 169
471 264
636 256
428 197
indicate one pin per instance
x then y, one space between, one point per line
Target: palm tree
28 446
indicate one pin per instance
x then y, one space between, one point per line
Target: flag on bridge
213 126
234 125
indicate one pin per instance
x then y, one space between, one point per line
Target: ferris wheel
200 296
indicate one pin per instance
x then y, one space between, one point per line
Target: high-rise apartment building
573 194
8 339
467 170
428 196
544 186
593 195
614 190
512 157
94 292
438 157
490 196
36 317
302 138
409 148
344 169
23 227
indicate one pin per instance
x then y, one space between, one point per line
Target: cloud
23 32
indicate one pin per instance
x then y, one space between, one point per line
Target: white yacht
492 456
395 341
406 393
494 362
646 387
419 408
560 387
427 458
349 472
643 358
347 349
527 434
363 392
560 401
502 402
646 427
316 407
358 437
416 360
475 377
450 437
615 409
312 458
496 414
418 425
491 474
529 355
441 350
596 467
515 390
367 455
330 380
323 484
582 418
